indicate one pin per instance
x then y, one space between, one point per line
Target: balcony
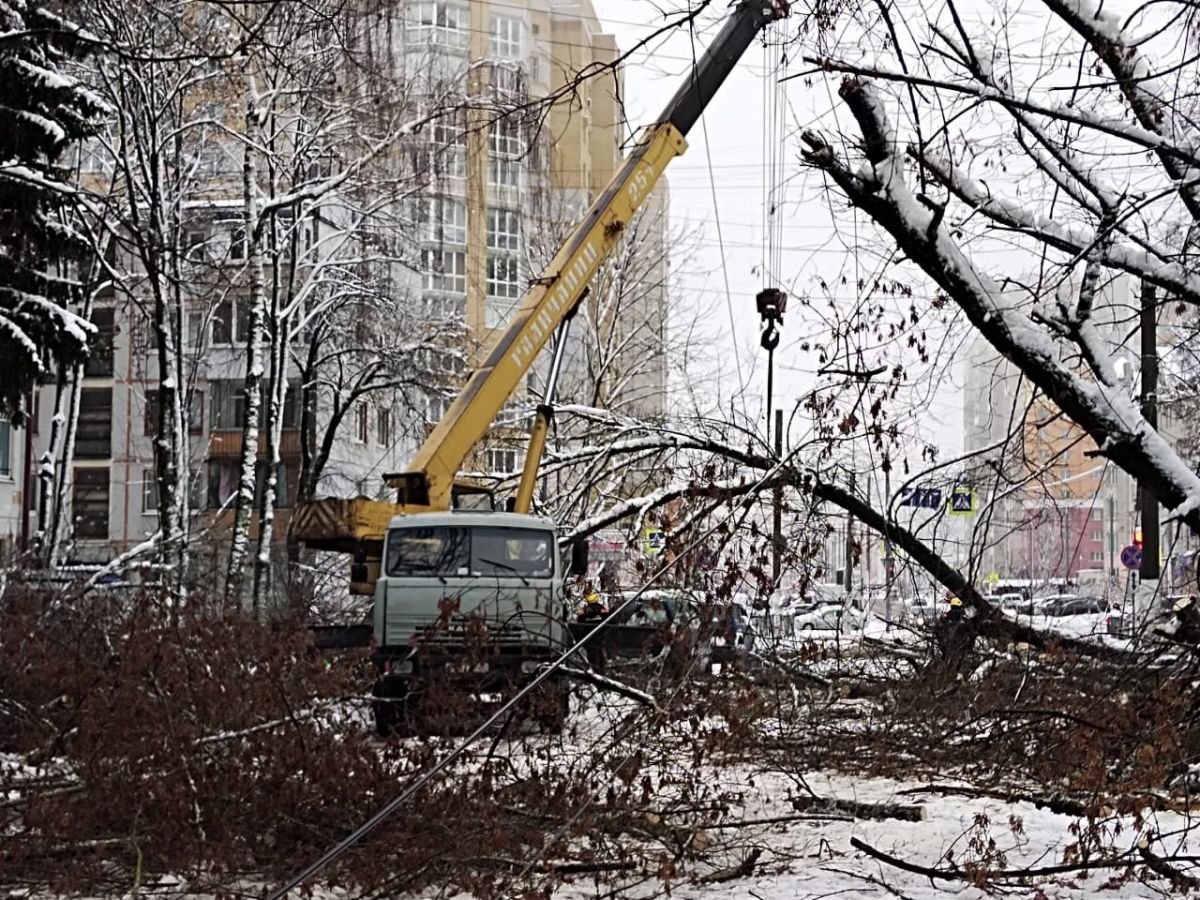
228 444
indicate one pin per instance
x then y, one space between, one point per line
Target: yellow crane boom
359 524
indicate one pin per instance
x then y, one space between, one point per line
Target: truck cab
472 598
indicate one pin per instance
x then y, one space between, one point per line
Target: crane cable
771 301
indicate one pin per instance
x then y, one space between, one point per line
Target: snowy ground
811 860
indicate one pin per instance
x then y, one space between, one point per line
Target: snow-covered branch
1108 415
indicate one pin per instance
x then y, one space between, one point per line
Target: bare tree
933 198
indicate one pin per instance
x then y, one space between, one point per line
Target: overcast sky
719 186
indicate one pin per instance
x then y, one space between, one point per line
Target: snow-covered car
1077 606
919 610
1011 600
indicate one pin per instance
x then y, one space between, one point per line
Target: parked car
828 620
919 610
1077 606
1011 600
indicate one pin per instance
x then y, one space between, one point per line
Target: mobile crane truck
460 590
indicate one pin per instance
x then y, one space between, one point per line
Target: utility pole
1149 331
777 500
1111 503
888 562
848 580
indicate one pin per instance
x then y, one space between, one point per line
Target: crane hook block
772 304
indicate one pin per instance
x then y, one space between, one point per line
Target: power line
737 355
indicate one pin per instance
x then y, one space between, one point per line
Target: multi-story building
545 163
469 253
1052 507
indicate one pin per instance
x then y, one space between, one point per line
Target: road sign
962 501
923 498
653 541
1131 557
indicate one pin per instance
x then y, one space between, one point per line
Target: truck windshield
488 551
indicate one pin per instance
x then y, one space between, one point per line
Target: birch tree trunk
275 406
59 505
239 546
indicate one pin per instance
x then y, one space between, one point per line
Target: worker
593 609
593 612
954 633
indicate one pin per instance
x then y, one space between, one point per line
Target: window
508 81
439 308
6 448
93 436
493 552
1097 535
437 408
505 137
504 230
149 490
195 413
290 236
237 238
194 242
225 327
440 361
450 128
361 424
501 460
503 277
227 405
505 173
445 270
1097 513
444 220
383 426
509 416
224 475
438 21
1097 556
427 551
420 15
100 348
506 37
450 163
89 503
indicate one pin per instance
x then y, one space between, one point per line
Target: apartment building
544 165
540 170
1052 508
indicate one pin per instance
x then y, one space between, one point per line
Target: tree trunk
239 542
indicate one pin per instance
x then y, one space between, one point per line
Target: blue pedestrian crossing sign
653 541
962 501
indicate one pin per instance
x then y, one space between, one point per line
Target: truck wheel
388 706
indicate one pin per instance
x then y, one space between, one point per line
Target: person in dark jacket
954 633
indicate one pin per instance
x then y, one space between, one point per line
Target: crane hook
770 337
